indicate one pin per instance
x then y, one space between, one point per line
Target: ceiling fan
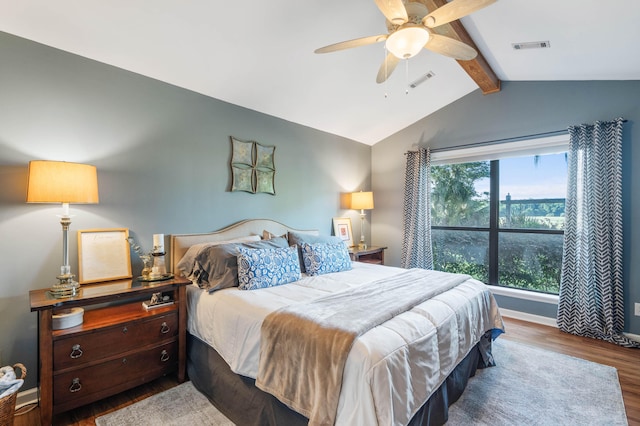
410 29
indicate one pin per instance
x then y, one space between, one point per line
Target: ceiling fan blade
393 10
454 10
352 43
387 67
450 47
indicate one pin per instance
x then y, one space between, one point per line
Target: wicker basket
8 403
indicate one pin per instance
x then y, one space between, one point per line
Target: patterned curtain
416 243
591 289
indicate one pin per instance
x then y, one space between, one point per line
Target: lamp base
362 245
65 287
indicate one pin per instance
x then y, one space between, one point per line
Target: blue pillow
261 268
323 258
299 238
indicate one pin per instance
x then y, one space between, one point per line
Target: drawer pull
76 352
125 330
164 356
124 360
75 385
164 328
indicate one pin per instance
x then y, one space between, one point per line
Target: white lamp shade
62 182
408 41
362 200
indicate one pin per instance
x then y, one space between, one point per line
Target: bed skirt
238 398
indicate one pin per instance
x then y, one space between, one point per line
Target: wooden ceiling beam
478 68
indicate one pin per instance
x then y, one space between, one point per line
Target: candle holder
153 264
159 269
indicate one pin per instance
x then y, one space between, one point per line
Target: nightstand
118 346
369 255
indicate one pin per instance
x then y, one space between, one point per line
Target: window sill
524 294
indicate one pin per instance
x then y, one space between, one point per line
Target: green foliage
530 261
526 261
539 215
462 252
454 200
522 221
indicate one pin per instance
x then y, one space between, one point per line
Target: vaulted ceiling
259 54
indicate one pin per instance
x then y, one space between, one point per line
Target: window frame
493 153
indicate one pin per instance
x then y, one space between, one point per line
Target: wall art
252 167
103 255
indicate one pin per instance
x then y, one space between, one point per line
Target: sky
523 179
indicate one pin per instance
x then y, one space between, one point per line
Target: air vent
531 45
422 79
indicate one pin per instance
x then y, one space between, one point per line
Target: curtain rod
513 139
496 141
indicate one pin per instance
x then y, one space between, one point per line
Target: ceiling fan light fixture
408 41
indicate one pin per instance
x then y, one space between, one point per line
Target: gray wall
162 156
521 108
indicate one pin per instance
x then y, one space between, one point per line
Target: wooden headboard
180 243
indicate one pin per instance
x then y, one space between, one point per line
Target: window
501 220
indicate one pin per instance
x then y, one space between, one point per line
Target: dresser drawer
79 349
80 386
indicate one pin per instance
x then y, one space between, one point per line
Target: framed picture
264 157
342 229
242 152
242 179
264 181
103 255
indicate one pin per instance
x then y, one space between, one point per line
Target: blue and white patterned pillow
323 258
261 268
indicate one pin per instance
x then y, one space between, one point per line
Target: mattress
391 370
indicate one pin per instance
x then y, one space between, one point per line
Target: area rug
529 386
181 405
532 386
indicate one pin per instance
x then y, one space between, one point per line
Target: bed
405 367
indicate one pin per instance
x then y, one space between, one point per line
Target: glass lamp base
65 287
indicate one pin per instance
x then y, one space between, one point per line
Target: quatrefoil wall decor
252 167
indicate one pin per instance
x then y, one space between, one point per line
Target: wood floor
627 361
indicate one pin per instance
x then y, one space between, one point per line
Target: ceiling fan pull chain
386 75
406 90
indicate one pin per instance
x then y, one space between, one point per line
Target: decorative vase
147 263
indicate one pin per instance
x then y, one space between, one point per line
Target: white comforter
391 370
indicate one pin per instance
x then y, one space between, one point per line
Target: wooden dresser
119 344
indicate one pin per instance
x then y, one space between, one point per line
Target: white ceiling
259 54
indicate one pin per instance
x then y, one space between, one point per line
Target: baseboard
538 319
27 397
551 322
634 337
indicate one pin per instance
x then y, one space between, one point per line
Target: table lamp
362 201
62 182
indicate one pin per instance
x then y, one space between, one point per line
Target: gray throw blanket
304 347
